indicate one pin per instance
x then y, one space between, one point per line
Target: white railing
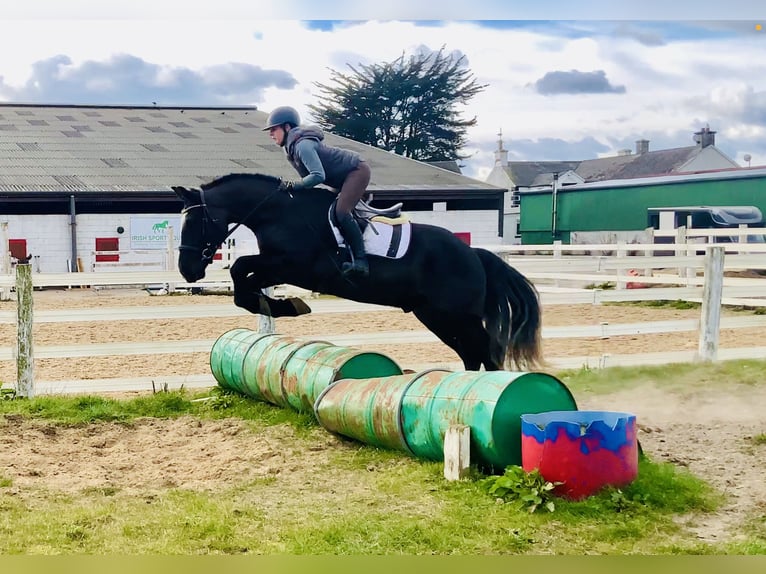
549 273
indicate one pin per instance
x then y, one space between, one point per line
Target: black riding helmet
282 115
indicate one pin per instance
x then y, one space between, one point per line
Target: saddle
364 210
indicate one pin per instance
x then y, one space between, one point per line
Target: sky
564 80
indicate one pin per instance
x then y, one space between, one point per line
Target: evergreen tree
407 106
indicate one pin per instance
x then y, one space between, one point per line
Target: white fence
561 279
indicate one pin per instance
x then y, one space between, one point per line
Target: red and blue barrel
584 450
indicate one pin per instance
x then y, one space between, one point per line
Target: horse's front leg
250 274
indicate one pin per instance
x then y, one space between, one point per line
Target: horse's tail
512 315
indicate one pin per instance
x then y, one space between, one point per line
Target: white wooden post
648 271
5 259
557 255
265 323
170 256
457 452
170 262
680 247
622 253
25 380
712 292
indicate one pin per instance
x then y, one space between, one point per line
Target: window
107 244
18 248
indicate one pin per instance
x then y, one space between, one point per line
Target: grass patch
361 499
678 377
407 508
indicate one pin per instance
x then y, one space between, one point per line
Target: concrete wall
482 225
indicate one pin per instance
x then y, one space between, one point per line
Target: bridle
207 252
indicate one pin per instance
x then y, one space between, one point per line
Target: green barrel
312 368
227 355
262 364
490 403
367 410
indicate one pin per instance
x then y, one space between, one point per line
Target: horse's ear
187 195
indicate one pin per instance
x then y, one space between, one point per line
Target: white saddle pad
381 238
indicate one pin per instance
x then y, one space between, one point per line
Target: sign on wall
151 231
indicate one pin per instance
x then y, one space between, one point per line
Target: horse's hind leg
464 334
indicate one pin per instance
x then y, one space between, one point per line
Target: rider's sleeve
306 150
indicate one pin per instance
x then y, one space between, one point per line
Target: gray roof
136 149
652 163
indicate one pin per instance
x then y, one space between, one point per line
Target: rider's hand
286 185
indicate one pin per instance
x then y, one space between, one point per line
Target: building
607 211
77 179
523 176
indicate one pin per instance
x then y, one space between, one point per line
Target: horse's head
202 232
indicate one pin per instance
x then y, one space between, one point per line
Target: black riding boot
353 237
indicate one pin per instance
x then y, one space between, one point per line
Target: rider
317 162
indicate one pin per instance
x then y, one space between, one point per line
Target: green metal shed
554 213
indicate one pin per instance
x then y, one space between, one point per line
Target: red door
107 244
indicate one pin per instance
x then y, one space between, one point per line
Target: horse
470 298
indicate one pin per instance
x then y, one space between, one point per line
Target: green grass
680 377
361 499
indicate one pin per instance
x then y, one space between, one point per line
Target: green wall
624 208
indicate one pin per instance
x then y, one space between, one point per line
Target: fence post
25 381
265 323
622 252
5 259
170 258
712 292
557 255
681 248
649 271
457 452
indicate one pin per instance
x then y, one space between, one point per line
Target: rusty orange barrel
227 355
310 369
490 403
367 410
262 364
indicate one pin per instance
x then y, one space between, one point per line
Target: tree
407 106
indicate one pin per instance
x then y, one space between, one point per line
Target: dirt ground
711 434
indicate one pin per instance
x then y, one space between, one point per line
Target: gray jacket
316 162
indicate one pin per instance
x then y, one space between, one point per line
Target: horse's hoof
300 306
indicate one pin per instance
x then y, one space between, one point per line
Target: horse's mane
226 178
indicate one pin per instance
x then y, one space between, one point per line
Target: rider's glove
287 185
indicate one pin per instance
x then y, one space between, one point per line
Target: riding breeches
353 188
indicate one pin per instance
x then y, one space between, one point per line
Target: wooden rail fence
560 278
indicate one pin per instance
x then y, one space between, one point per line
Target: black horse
477 304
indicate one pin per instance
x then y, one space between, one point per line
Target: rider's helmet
282 115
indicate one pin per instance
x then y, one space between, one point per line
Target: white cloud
672 80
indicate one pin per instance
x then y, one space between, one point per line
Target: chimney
501 155
642 146
704 137
623 152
